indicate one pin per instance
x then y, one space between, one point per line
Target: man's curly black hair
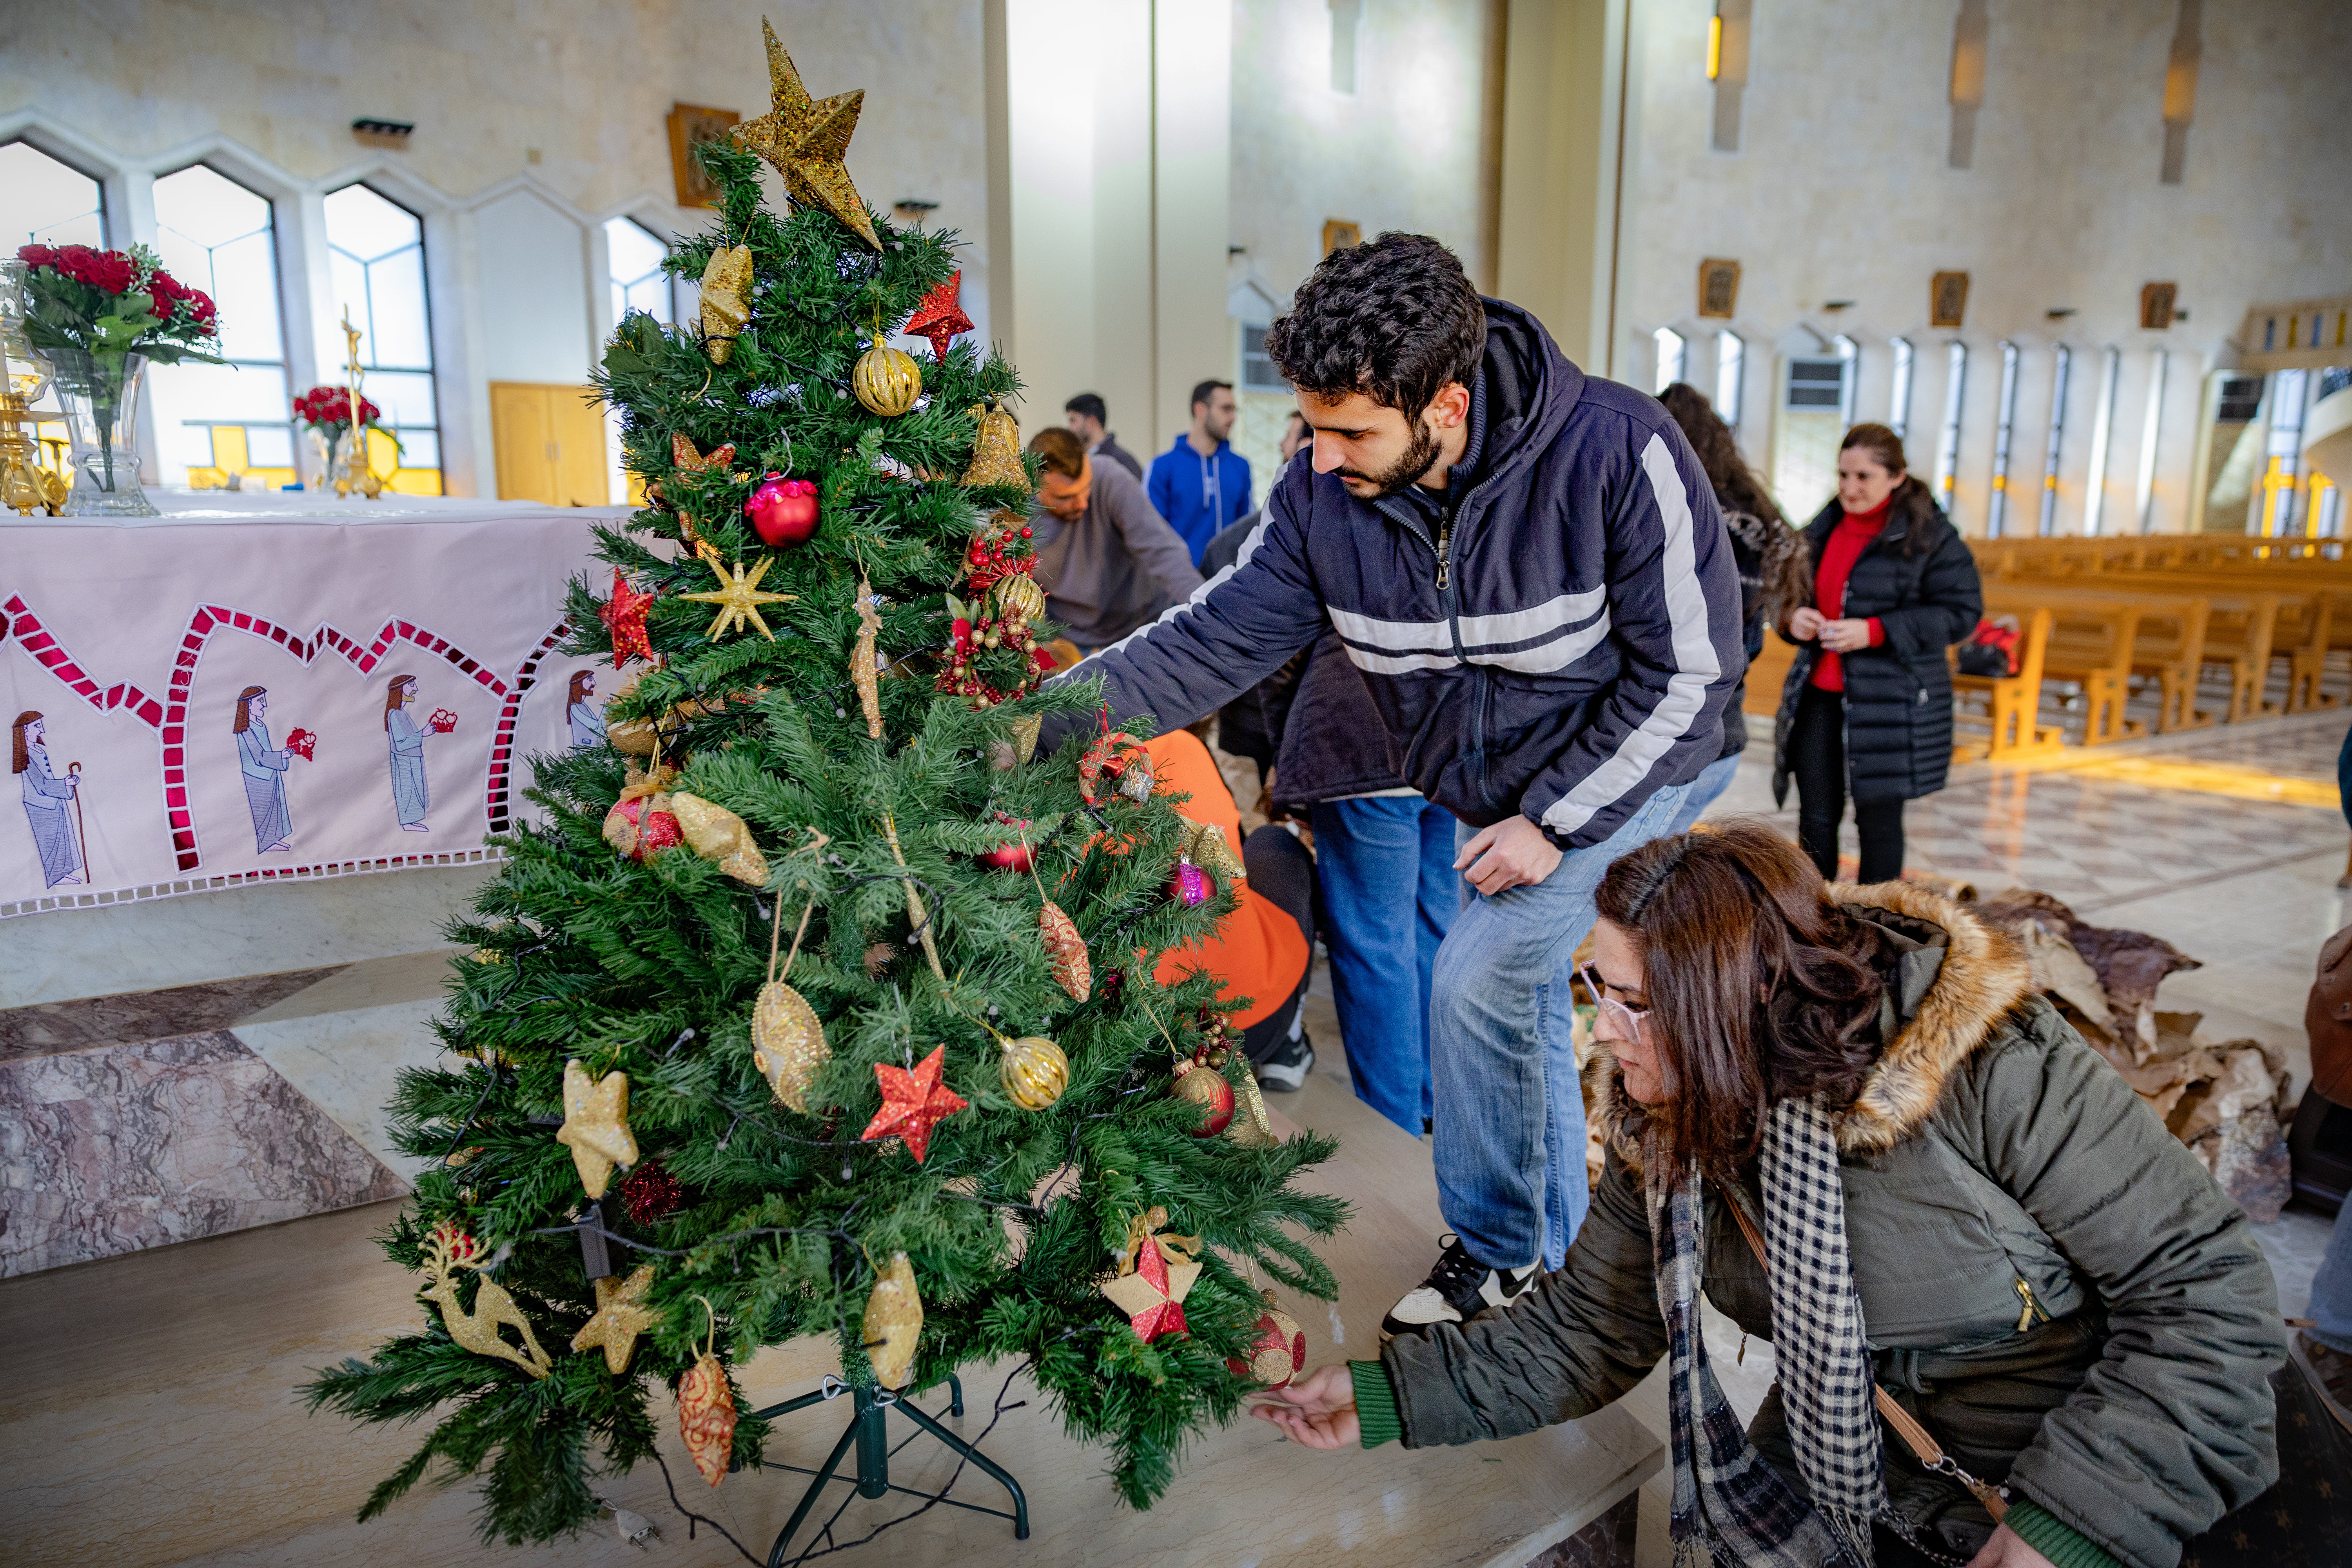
1395 320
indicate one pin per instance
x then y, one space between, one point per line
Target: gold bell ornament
719 834
894 1322
725 300
996 456
887 379
787 1038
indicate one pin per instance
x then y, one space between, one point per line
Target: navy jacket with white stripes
1562 647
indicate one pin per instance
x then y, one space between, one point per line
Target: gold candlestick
359 471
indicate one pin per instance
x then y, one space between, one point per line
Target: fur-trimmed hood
1984 976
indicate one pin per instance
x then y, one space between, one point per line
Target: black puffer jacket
1918 580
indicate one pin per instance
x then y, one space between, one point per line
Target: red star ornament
940 317
623 615
913 1102
1152 1296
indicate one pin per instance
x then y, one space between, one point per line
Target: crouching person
1847 1117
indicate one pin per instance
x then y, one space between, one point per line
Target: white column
1192 71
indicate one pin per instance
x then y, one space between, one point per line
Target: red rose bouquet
328 410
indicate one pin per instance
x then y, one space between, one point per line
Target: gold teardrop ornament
887 379
996 456
719 836
1034 1070
1073 970
894 1322
787 1043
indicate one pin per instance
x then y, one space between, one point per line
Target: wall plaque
2156 305
1718 287
1948 299
1339 234
690 123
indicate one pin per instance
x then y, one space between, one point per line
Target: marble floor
162 1065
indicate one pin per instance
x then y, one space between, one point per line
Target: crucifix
359 473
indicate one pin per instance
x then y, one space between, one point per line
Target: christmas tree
817 1004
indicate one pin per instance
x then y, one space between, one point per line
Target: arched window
2004 425
2061 362
1948 441
214 421
1730 363
1898 394
1668 344
634 261
45 202
1850 353
377 262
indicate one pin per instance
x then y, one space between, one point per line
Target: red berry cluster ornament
1002 620
651 1192
1000 550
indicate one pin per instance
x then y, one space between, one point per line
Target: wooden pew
2091 643
2013 703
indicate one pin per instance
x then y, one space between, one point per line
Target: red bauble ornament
1014 857
623 615
782 510
940 316
651 1192
1206 1088
913 1102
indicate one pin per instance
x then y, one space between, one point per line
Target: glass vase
100 396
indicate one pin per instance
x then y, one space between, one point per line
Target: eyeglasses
1629 1017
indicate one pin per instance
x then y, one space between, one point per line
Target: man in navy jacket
1528 565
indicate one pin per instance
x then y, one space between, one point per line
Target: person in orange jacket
1262 950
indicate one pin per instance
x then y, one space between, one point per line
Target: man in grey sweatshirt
1108 562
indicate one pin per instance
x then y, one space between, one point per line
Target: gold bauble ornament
894 1322
620 1315
725 300
449 1250
996 456
887 379
1034 1070
1279 1353
596 1125
719 834
787 1043
1018 598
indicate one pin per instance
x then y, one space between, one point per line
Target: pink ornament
782 510
1193 885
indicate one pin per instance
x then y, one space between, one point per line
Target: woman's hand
1806 623
1844 637
2007 1550
1317 1410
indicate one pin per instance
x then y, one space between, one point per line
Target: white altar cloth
136 643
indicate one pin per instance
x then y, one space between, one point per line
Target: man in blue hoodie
1527 565
1201 484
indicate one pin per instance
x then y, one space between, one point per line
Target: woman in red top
1868 705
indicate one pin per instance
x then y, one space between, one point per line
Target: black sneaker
1457 1289
1285 1069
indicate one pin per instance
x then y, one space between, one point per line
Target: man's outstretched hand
1317 1410
1513 853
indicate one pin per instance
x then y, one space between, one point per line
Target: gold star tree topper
596 1125
620 1315
739 598
805 139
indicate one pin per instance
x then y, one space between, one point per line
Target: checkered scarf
1729 1506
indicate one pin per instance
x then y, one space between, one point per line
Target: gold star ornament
596 1125
739 598
620 1315
805 139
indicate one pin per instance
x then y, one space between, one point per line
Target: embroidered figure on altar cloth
587 719
411 796
52 806
263 767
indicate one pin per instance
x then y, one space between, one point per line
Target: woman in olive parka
1960 1202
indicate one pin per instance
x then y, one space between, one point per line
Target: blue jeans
1390 891
1510 1135
2331 1287
1705 791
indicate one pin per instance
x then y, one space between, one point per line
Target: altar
260 686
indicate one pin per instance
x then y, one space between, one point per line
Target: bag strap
1921 1441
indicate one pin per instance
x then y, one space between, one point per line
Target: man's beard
1401 475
